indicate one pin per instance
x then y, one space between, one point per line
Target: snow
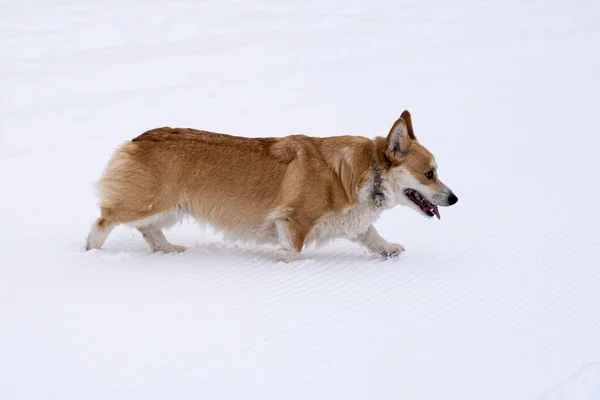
584 385
498 300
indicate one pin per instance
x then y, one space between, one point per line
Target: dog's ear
398 140
408 119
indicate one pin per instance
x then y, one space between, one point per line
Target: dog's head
412 171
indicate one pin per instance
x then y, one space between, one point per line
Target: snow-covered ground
498 300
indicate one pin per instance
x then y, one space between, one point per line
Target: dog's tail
127 182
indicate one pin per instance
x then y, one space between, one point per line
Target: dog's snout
452 199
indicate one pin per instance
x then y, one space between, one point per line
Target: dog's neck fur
361 165
378 196
379 164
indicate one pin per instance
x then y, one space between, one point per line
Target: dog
291 191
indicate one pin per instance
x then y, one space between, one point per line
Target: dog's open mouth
428 209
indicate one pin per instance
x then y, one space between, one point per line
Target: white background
498 300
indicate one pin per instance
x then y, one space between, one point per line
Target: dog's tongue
436 211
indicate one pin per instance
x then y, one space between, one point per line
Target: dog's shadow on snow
261 254
225 252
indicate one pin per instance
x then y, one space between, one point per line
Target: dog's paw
288 256
172 248
391 250
178 249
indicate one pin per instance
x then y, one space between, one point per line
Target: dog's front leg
374 242
291 239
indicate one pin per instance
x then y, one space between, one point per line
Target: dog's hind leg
157 241
151 229
99 232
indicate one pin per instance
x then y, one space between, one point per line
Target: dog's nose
452 199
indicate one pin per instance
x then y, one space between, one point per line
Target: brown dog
292 190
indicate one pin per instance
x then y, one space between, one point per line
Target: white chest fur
348 224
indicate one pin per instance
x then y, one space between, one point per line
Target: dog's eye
429 175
